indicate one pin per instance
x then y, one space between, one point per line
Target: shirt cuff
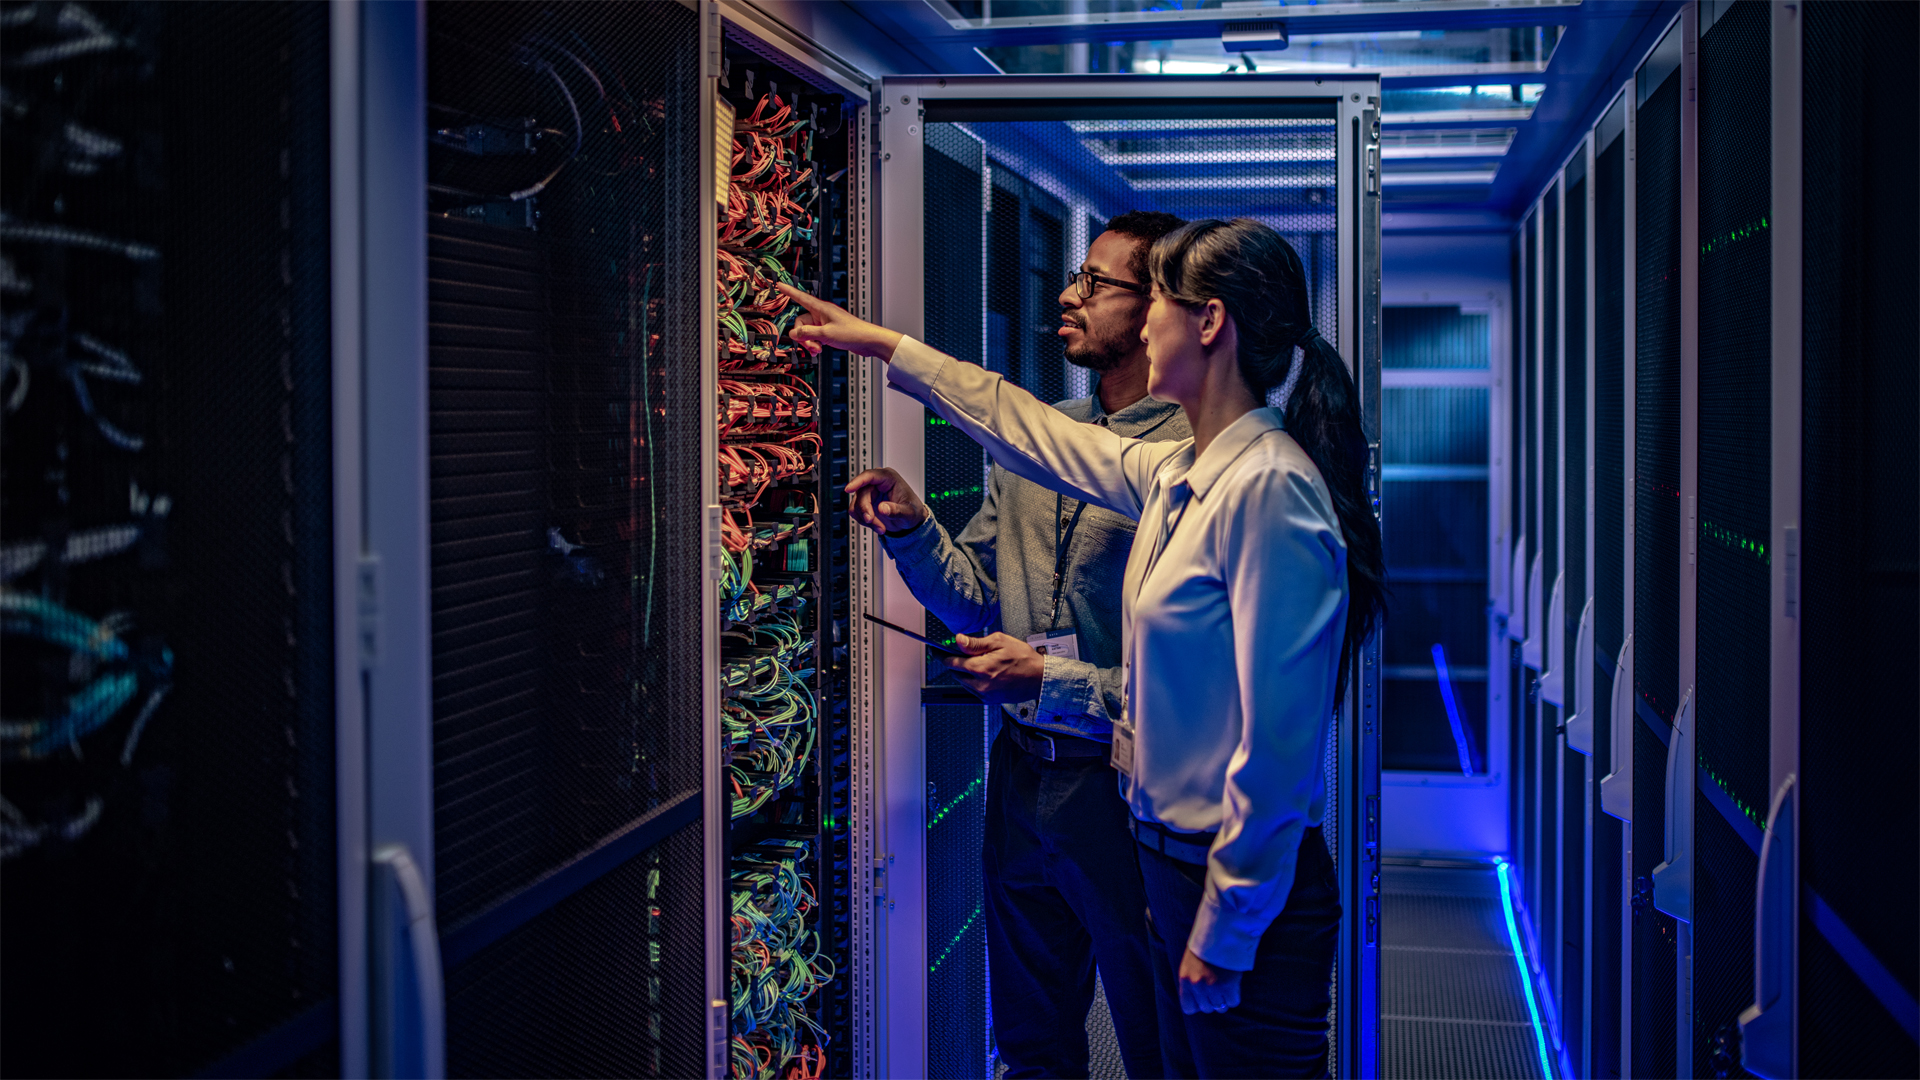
916 367
915 544
1226 939
1066 686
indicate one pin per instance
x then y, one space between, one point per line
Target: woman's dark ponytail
1323 416
1258 276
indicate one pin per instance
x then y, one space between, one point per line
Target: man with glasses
1039 576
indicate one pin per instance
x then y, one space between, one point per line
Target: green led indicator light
971 919
1734 236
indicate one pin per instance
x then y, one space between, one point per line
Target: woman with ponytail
1255 575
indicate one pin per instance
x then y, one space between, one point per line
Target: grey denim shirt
998 574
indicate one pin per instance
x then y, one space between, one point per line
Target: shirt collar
1145 413
1227 447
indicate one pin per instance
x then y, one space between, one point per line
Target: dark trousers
1279 1029
1063 895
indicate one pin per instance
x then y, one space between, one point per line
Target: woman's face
1175 356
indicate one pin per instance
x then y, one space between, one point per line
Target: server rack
1843 965
788 842
172 899
1712 294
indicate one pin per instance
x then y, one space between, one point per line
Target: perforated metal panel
165 538
1656 571
1860 609
1609 583
1571 940
957 738
604 984
563 380
1736 520
1452 1003
1609 405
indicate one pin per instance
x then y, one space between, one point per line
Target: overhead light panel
1267 35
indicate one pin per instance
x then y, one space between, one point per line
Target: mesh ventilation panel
560 369
1735 523
1528 387
165 537
1573 838
1656 574
562 373
956 913
1609 584
1550 379
1656 550
606 983
1860 608
1736 383
1609 406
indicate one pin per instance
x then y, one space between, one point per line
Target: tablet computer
929 642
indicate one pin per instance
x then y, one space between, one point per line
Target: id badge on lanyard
1122 756
1062 643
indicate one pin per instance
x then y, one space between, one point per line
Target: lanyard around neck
1063 531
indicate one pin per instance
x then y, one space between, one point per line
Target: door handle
1616 788
1673 879
1530 648
1580 727
1766 1026
1553 680
1501 574
409 1021
1517 590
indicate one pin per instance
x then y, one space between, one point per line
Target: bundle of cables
742 599
768 724
777 964
106 673
770 445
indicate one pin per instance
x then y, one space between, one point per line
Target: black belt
1049 746
1188 847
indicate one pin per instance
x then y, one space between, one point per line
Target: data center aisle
1452 1002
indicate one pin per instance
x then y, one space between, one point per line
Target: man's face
1103 330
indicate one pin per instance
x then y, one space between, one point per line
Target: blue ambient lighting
1520 960
1453 710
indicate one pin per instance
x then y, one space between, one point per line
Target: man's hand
1205 988
828 325
883 501
1001 668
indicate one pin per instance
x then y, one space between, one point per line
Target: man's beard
1098 353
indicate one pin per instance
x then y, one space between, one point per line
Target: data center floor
1452 1003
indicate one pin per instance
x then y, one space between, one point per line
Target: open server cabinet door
991 188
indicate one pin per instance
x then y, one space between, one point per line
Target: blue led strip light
1520 962
1453 710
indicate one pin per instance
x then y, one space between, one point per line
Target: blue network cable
1502 867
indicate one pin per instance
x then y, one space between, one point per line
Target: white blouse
1234 608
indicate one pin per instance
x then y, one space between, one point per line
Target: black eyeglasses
1083 281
